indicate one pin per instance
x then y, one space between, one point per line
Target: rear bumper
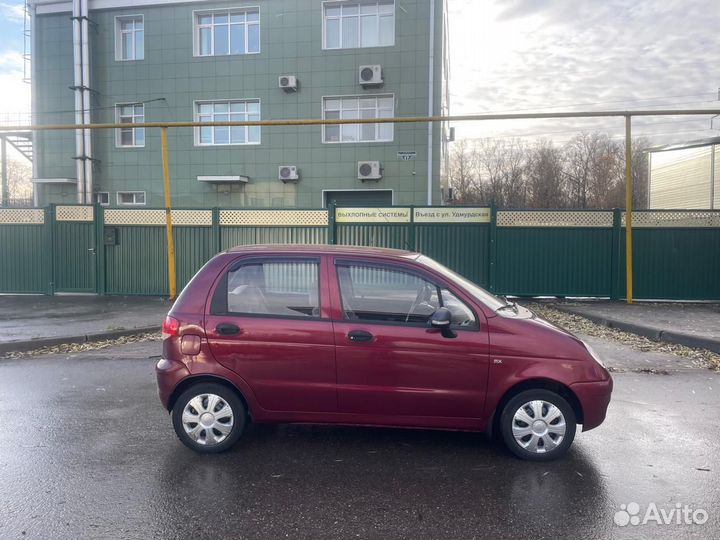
169 374
594 398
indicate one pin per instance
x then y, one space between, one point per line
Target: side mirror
441 319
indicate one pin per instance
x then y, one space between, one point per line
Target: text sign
452 215
372 215
406 156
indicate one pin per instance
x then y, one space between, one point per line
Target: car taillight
170 327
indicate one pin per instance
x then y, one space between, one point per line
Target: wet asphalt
86 451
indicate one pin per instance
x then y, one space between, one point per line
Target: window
132 113
220 33
348 25
386 295
129 38
131 198
224 111
288 289
351 107
102 198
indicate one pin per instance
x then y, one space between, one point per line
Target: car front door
269 322
389 362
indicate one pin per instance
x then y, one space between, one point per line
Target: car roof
273 249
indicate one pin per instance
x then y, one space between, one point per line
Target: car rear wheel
209 418
538 425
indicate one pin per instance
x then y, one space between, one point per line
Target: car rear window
282 288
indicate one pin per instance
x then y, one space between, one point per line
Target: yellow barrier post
628 211
172 278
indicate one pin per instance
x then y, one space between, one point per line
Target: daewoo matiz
350 335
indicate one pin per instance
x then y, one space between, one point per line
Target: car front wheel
538 425
209 418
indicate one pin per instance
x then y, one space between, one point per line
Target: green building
126 61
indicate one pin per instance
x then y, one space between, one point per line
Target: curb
24 346
655 334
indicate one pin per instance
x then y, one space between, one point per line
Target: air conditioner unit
371 75
369 170
288 173
288 82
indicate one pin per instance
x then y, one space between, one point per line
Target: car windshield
490 300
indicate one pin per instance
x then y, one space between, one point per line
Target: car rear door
269 322
389 362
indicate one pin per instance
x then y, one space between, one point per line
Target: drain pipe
79 119
85 49
431 104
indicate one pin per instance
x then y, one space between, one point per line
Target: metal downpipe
77 85
87 139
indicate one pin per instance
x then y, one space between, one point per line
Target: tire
542 441
214 433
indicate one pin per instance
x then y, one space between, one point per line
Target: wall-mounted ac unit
370 75
288 173
369 170
289 83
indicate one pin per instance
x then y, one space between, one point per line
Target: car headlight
594 354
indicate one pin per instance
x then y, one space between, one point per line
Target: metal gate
74 249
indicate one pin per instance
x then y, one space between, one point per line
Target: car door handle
360 335
227 329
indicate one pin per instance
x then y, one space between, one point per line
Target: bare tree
587 172
463 174
545 176
640 171
514 156
19 180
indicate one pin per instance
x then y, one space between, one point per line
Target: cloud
15 93
556 55
12 11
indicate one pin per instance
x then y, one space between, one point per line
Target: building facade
167 60
685 175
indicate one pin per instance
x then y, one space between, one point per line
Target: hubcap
207 419
538 426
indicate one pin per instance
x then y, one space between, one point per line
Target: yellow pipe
396 120
628 211
172 278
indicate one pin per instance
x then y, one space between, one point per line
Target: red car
353 335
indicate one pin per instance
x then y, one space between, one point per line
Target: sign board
452 215
372 215
406 156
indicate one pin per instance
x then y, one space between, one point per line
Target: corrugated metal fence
74 248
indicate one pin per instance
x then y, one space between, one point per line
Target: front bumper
169 374
594 398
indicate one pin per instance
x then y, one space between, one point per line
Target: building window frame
99 195
135 202
383 132
198 26
137 134
137 47
355 19
243 116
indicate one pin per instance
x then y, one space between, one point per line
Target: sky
554 55
540 55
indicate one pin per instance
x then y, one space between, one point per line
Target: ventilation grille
554 219
670 219
22 216
198 218
287 218
74 213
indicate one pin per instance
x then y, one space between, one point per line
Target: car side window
286 288
462 315
371 293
